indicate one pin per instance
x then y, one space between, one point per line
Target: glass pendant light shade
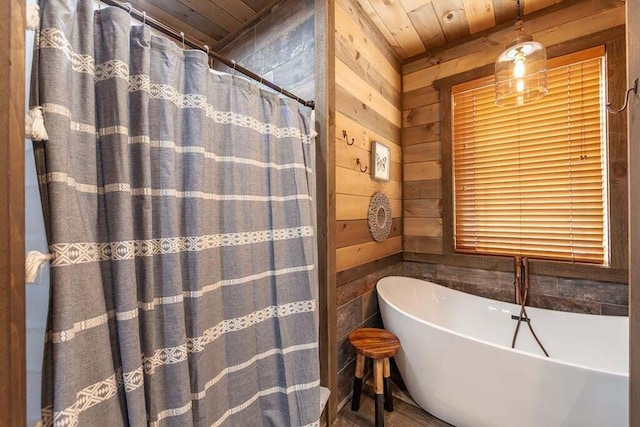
521 71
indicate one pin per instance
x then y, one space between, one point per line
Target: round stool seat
374 343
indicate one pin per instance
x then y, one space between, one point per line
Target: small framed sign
380 161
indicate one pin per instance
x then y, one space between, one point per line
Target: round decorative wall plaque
380 216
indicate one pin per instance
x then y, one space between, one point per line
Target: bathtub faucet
517 279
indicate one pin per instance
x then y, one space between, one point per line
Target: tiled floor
404 414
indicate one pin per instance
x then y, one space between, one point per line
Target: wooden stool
379 345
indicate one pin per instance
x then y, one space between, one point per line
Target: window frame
616 140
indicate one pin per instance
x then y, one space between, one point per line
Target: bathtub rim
491 344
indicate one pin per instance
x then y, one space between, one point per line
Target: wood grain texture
12 285
352 256
480 14
354 182
382 29
361 20
424 152
367 270
579 22
633 58
503 34
421 115
426 22
374 343
423 170
192 18
366 94
617 155
324 28
347 52
349 207
361 136
453 18
347 157
355 232
395 18
423 208
213 13
174 21
360 112
428 227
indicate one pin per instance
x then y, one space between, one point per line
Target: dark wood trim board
633 61
12 295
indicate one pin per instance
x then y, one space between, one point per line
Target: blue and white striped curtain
180 216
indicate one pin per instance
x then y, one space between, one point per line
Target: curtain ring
234 64
130 9
144 18
182 36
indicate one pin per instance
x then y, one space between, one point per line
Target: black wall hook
633 89
346 138
358 163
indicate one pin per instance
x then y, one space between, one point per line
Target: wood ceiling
412 27
212 22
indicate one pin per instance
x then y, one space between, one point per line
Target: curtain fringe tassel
33 17
34 125
33 263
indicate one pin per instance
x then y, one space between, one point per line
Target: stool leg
379 389
357 383
388 398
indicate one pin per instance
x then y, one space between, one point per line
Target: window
532 180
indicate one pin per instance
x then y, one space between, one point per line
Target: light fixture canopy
521 70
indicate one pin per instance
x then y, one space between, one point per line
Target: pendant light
521 70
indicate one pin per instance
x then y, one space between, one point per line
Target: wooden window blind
531 180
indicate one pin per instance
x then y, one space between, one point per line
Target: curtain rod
154 23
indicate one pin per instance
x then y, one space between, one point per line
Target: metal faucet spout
517 279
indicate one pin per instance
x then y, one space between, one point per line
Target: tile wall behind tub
555 293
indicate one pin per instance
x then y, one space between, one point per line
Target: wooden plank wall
280 47
368 108
12 292
633 53
427 176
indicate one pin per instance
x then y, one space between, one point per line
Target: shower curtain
181 221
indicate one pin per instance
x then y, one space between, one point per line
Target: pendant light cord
518 18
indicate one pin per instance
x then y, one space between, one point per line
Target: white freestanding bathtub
457 362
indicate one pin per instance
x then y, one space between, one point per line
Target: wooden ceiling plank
371 12
412 5
237 9
397 21
256 5
174 22
504 10
427 25
213 13
190 17
504 34
452 18
531 6
251 23
480 14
